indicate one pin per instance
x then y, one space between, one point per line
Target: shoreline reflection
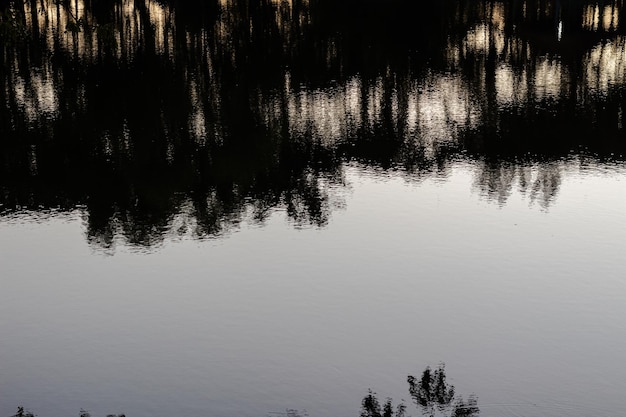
431 393
151 114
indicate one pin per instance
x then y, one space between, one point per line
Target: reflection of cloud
287 19
497 16
548 75
605 66
597 18
435 109
511 86
160 18
482 38
551 79
439 107
197 120
328 114
36 96
518 67
54 19
490 33
438 103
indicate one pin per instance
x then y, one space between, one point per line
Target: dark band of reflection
22 412
166 118
432 395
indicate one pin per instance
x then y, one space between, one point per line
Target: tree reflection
159 116
431 393
290 412
539 182
21 412
371 407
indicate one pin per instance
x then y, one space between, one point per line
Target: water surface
241 208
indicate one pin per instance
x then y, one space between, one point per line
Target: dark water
236 208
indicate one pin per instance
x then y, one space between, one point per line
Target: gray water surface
524 305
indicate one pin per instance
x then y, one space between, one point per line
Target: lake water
262 208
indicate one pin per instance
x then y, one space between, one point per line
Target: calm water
242 208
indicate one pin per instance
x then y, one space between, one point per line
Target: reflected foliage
166 118
431 390
289 412
431 393
21 412
466 408
371 407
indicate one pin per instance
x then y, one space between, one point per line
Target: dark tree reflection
431 390
431 393
463 408
21 412
371 407
162 116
